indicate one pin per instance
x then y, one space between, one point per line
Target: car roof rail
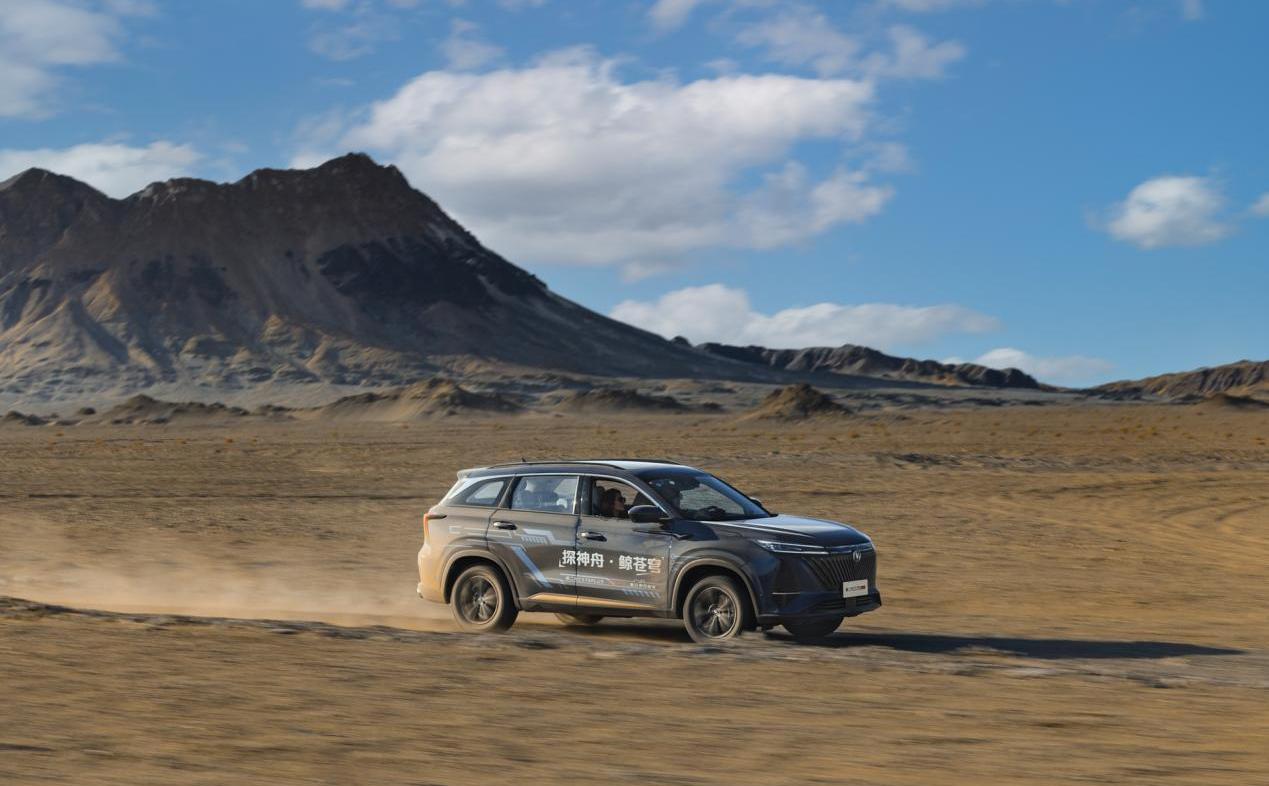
597 462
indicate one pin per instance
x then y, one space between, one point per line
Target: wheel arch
709 566
464 560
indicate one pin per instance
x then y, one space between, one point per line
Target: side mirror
646 514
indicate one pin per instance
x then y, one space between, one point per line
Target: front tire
811 631
716 609
481 601
579 620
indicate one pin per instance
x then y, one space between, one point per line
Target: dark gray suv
637 538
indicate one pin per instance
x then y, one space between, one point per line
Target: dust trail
45 561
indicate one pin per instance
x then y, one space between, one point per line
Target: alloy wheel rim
714 612
479 601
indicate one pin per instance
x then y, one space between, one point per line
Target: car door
535 534
620 565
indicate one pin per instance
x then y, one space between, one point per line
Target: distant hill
796 402
338 275
426 399
617 400
1244 378
863 361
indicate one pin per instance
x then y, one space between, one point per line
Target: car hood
798 529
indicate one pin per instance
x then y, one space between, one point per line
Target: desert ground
1073 594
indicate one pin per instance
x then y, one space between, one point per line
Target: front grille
834 569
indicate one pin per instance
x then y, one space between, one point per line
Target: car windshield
702 497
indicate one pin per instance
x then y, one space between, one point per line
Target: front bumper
810 605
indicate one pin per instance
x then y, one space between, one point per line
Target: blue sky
1077 188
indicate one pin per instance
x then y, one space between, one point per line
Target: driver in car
613 505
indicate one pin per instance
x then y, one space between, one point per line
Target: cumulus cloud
40 38
563 161
1170 211
464 51
114 169
667 15
716 312
1069 369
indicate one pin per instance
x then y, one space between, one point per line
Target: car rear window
482 493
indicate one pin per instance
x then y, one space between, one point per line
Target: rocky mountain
863 361
338 275
1244 378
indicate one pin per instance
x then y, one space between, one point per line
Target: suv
637 538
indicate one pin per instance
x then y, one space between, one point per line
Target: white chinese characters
594 559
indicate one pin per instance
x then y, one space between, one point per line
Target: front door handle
503 525
594 536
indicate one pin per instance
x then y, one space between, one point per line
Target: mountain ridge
1240 378
865 361
342 274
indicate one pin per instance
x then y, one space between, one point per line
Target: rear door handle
594 536
503 525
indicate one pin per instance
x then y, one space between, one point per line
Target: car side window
546 493
612 499
484 494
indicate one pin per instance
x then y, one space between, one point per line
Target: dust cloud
44 560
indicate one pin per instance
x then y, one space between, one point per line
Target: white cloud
563 161
802 36
716 312
114 169
1261 206
38 38
667 15
914 56
464 51
1170 211
1069 369
325 5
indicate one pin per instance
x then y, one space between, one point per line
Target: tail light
426 516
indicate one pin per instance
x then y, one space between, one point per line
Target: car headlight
779 547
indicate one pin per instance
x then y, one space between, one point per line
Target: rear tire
811 631
716 609
481 601
579 620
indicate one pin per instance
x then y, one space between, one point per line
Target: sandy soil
1072 594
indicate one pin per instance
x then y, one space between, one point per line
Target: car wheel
481 601
579 620
716 609
808 631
